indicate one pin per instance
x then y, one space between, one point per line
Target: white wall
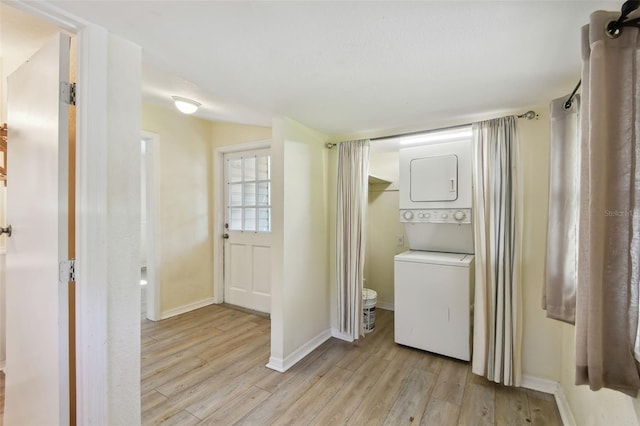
185 270
300 298
143 208
123 225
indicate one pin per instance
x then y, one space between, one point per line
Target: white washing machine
434 302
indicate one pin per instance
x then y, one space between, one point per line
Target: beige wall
186 272
224 134
548 345
604 407
542 337
383 226
186 198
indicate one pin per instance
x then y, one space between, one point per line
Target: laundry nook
433 280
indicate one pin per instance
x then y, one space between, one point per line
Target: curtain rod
614 28
529 115
569 101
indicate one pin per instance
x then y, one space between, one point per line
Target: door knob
6 230
225 236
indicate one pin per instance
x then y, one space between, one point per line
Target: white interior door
247 248
37 381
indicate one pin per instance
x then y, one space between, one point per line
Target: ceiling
345 67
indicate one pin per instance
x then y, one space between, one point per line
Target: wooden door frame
218 210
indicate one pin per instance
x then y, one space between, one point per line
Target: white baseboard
385 305
340 335
540 385
186 308
283 365
565 410
554 388
276 364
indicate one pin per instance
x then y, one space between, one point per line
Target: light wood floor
208 367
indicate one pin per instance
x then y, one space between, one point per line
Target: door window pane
235 170
264 220
249 187
249 198
235 219
263 194
235 194
263 168
249 219
249 168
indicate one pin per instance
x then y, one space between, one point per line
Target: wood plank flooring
208 367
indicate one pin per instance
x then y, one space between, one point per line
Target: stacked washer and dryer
434 280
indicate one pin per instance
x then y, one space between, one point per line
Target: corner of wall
299 244
564 407
553 388
283 364
589 407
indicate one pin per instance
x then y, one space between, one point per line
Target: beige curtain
497 332
353 175
609 227
559 291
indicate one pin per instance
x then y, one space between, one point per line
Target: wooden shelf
375 180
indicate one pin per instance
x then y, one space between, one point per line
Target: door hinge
67 271
68 93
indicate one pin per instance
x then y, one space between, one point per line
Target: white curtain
559 291
609 227
497 333
353 175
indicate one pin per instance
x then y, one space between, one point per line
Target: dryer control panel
435 216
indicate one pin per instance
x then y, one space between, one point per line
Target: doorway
150 226
242 226
247 225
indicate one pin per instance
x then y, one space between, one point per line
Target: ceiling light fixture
185 105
